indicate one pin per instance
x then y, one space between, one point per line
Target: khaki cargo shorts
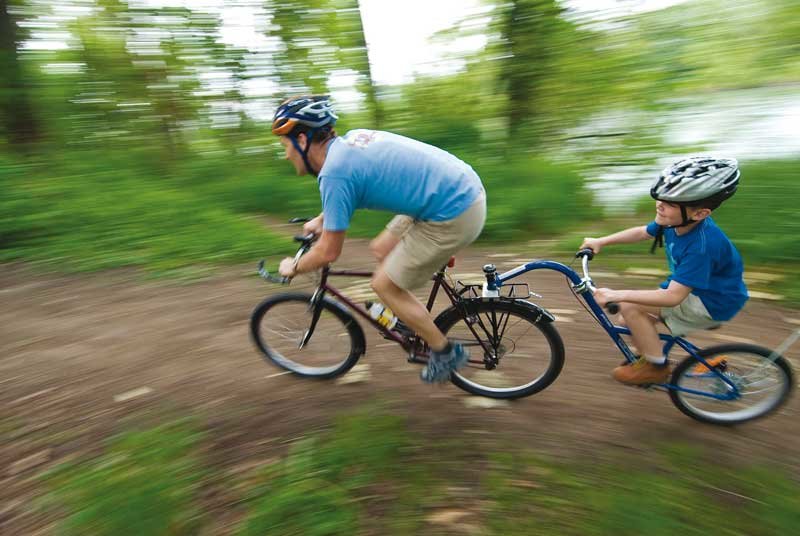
425 246
689 315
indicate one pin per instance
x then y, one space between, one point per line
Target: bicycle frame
615 332
411 344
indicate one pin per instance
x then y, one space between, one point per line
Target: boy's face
670 213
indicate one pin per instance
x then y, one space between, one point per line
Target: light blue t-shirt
706 260
383 171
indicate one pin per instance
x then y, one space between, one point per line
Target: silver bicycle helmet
696 179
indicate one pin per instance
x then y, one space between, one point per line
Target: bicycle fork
315 306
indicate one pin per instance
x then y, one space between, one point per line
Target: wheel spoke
525 356
279 326
761 384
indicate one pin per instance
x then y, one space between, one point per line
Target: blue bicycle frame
615 332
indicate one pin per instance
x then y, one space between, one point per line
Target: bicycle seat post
490 286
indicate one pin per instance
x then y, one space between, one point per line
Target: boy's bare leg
408 309
642 320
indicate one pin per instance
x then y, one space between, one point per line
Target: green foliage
79 216
145 483
531 198
758 218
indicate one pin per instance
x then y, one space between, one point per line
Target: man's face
292 154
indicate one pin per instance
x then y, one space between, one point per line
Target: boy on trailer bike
705 287
439 201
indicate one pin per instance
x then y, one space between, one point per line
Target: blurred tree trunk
16 114
527 27
369 87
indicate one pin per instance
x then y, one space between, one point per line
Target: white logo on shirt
361 138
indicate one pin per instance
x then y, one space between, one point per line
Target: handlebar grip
585 252
612 307
300 220
283 280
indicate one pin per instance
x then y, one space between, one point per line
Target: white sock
656 360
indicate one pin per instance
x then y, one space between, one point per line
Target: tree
527 29
16 113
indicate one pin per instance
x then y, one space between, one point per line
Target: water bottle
382 314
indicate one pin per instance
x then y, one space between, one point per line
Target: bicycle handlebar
587 254
305 245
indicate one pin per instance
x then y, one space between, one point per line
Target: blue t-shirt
383 171
706 260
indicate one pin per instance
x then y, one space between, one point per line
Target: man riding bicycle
439 200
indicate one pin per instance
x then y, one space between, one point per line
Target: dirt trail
84 356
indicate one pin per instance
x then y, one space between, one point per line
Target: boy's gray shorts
689 315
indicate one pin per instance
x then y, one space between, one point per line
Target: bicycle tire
281 346
741 362
543 350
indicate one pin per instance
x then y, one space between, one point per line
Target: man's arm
324 252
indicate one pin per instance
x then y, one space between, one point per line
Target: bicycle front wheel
515 350
762 384
279 326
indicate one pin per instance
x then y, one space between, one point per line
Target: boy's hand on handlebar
593 244
604 295
287 267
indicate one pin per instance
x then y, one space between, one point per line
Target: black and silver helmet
697 179
694 180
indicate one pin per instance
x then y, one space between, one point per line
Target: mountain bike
515 350
725 384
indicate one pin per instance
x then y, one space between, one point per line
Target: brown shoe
716 362
641 372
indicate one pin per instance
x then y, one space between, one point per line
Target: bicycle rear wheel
763 385
525 353
279 324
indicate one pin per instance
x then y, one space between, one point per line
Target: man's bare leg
408 309
383 244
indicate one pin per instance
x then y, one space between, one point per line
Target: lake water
752 124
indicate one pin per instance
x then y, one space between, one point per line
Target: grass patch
369 475
145 483
77 218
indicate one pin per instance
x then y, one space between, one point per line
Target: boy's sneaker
715 362
441 365
642 372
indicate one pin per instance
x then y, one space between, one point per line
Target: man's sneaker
441 365
642 372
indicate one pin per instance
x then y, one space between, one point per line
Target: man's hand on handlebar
313 226
287 267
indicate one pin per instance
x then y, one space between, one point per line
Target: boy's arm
628 236
671 296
